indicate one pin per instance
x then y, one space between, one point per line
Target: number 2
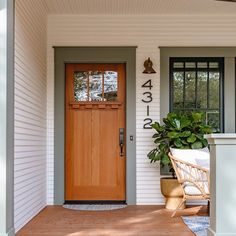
148 123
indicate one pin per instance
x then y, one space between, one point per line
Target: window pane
110 86
214 90
202 89
95 86
202 65
190 89
80 86
178 65
190 64
178 87
213 65
213 119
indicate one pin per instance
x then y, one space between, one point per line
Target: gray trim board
7 121
229 53
65 55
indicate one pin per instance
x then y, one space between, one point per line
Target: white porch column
6 117
223 184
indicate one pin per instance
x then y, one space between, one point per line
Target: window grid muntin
197 69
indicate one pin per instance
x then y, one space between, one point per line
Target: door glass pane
178 84
214 90
110 85
190 89
95 86
80 86
202 89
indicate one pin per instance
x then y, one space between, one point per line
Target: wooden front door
95 132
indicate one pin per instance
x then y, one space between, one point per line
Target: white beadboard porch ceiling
140 7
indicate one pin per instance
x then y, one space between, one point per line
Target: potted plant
180 131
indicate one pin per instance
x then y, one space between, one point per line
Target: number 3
149 97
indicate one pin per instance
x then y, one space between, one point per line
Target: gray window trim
94 55
229 53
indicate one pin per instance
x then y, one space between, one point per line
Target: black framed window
196 84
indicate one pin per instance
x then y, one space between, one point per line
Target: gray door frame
65 55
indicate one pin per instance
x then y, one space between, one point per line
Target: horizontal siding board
30 110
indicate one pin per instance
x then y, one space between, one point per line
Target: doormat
94 207
197 224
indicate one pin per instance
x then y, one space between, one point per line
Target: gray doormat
94 207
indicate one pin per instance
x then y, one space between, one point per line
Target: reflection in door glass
110 86
80 86
95 86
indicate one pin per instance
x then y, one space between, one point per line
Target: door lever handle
121 141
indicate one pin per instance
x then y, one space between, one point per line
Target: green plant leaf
173 135
185 134
197 116
178 143
163 147
196 145
199 136
155 135
157 127
184 142
185 122
192 138
204 143
165 160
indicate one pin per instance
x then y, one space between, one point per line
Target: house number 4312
147 99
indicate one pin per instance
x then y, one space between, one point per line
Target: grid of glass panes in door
196 86
95 85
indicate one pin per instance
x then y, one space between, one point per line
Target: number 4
148 84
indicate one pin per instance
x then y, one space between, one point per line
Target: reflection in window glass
213 119
202 90
213 65
214 91
178 65
178 83
190 64
95 86
190 89
110 86
80 86
202 65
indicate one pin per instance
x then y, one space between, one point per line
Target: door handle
121 141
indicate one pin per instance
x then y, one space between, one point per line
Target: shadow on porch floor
130 221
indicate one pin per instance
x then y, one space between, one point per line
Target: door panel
95 111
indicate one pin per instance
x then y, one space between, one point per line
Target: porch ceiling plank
137 7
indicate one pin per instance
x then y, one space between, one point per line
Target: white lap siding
30 110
